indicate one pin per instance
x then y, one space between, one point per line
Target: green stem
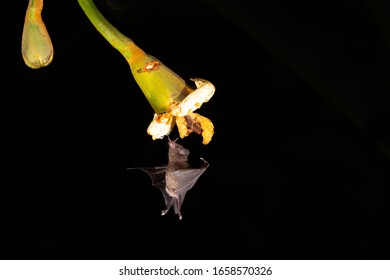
109 32
161 86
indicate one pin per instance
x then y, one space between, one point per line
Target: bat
176 178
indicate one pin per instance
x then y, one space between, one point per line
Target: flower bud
37 48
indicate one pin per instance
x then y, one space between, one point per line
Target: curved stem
161 86
119 41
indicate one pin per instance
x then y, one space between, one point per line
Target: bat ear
169 138
172 143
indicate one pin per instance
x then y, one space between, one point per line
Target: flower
183 115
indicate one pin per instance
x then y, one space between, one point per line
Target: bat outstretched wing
186 179
157 175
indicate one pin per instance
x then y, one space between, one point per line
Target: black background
299 163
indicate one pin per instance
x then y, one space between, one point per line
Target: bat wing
186 179
157 175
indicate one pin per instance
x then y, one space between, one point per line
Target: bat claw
163 212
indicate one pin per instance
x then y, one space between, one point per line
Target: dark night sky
300 159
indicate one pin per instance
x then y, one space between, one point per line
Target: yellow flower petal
194 122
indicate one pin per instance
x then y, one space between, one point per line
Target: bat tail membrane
178 201
176 207
168 200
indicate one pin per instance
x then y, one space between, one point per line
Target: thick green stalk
109 32
160 85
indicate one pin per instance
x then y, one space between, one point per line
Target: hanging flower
183 115
172 100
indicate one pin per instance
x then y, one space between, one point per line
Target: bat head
176 150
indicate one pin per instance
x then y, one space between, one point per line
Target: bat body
176 178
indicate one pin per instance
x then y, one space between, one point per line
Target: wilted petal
199 124
160 126
205 90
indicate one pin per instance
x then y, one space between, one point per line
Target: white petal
160 126
195 99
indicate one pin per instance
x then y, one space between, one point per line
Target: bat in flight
176 178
